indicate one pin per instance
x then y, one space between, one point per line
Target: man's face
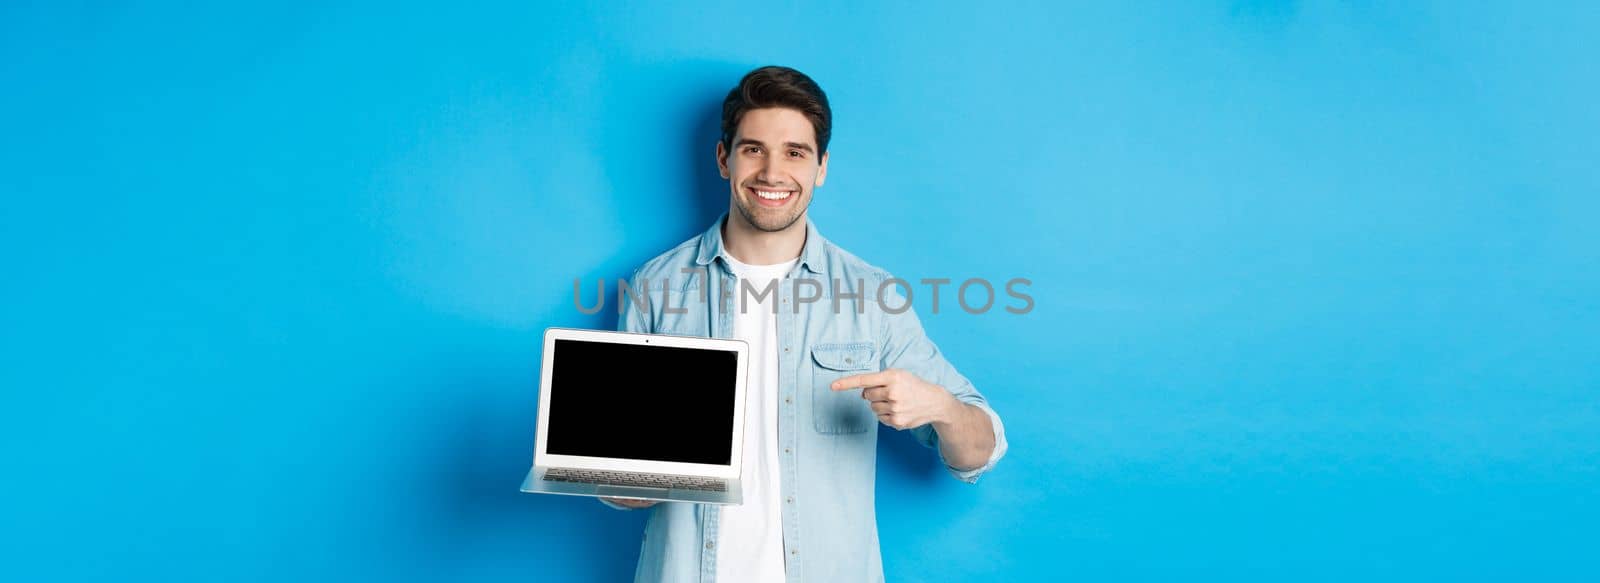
773 167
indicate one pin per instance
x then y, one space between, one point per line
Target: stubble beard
765 221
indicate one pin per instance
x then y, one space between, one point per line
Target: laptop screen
642 402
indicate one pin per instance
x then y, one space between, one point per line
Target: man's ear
722 159
822 173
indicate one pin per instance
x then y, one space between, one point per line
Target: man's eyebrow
754 142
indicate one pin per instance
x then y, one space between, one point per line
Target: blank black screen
642 402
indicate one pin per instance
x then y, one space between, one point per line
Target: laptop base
535 483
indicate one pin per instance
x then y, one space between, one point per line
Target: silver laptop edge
536 480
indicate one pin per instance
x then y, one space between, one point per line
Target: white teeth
773 194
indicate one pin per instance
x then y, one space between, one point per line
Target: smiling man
828 368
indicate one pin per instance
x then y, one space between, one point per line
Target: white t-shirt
750 536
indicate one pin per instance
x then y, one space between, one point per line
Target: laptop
645 416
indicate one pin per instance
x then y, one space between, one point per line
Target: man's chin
767 221
773 228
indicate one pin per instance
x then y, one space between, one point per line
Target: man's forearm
966 437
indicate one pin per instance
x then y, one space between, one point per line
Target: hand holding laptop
634 503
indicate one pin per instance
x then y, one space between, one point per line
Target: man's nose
768 172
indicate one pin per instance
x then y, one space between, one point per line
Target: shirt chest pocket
840 411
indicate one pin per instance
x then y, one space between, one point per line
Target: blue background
1316 283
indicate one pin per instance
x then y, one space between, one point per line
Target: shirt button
794 551
786 349
788 400
709 545
785 450
791 499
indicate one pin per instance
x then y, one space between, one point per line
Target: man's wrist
951 413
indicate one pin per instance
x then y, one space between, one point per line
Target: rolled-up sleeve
906 346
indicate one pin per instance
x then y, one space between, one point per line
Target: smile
771 197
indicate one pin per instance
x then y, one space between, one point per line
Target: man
832 357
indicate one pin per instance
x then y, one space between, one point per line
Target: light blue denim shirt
826 439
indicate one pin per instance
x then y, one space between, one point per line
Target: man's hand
634 503
901 399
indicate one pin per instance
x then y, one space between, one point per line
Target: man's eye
795 154
752 150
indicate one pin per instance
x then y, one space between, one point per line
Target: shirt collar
810 254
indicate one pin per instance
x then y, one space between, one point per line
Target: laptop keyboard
636 479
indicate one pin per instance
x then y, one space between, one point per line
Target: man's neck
756 247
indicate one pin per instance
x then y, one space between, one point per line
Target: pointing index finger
859 381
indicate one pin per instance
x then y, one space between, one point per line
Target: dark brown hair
774 86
